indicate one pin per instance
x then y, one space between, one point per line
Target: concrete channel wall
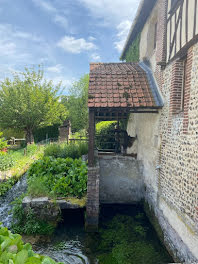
121 180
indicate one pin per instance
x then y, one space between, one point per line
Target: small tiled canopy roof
121 85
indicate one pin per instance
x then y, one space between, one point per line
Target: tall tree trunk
29 136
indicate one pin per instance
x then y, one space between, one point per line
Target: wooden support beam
91 138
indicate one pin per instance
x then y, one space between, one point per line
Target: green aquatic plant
127 240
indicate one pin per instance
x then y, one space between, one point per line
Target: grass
20 165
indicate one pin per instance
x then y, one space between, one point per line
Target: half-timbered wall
182 27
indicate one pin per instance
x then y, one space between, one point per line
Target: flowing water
5 203
72 245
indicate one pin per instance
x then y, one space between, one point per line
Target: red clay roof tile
119 85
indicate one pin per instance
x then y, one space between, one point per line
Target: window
155 36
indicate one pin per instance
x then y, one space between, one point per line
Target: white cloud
45 5
76 46
112 11
91 38
55 69
62 21
53 11
123 30
95 57
8 48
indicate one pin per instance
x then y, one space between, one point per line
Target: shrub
58 177
6 185
3 143
14 251
105 136
6 161
72 150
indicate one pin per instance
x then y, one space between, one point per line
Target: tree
29 101
76 104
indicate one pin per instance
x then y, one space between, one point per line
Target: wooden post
91 138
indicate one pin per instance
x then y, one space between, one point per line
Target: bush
3 143
64 150
14 251
105 136
58 177
7 185
6 161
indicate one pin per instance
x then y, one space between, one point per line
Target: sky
64 36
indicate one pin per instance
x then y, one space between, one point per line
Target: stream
119 226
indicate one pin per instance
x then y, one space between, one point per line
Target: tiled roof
119 85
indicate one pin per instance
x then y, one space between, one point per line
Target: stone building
157 87
165 36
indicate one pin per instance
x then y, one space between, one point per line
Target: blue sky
62 35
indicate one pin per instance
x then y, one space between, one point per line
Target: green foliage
76 104
58 177
132 54
10 132
27 223
18 164
6 161
29 101
50 131
3 143
105 134
65 150
7 185
14 251
126 240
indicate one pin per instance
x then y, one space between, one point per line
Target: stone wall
167 146
120 180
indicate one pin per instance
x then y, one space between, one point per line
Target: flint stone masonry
121 180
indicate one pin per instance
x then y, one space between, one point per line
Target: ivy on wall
132 54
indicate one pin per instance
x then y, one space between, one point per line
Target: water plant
14 251
127 240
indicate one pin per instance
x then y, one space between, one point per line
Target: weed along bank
156 92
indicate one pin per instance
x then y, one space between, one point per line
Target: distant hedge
50 131
105 136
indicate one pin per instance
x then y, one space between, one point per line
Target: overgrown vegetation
17 162
57 177
14 251
126 240
132 54
3 143
105 136
65 150
26 222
